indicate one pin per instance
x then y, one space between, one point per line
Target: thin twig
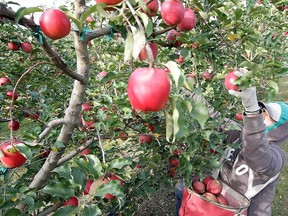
101 146
75 152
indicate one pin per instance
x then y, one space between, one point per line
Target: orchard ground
162 203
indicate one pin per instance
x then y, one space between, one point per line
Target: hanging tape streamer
38 34
84 32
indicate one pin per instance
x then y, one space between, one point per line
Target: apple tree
104 102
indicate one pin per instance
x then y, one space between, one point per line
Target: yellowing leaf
232 37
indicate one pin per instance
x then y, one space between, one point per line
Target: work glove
248 95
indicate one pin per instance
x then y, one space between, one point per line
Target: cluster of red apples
73 201
209 188
25 46
174 162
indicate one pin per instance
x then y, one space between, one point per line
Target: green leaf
273 85
12 212
95 8
23 11
112 187
74 19
139 39
28 200
64 171
25 150
251 65
92 166
169 125
92 210
179 127
62 189
78 177
148 24
129 42
200 112
66 210
176 73
120 163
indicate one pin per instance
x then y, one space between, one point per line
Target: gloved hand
248 95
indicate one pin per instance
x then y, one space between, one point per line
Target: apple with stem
10 156
11 95
13 125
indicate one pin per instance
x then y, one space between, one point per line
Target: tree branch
75 152
53 56
97 33
49 210
49 126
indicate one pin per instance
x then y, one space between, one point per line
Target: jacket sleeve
259 155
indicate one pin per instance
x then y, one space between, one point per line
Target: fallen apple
26 47
145 139
13 46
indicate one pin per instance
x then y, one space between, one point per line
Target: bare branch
75 152
97 33
53 56
50 125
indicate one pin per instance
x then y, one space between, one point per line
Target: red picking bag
194 204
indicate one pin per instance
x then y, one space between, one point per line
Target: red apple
210 196
103 74
172 38
172 174
89 19
222 200
214 186
26 47
89 182
206 76
143 53
55 24
85 152
72 201
11 156
153 7
172 12
207 179
174 162
239 116
172 169
176 151
11 95
34 116
145 139
5 81
109 2
13 46
229 81
108 178
191 75
198 187
180 59
188 22
13 125
86 107
142 93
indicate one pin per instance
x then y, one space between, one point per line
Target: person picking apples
254 168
